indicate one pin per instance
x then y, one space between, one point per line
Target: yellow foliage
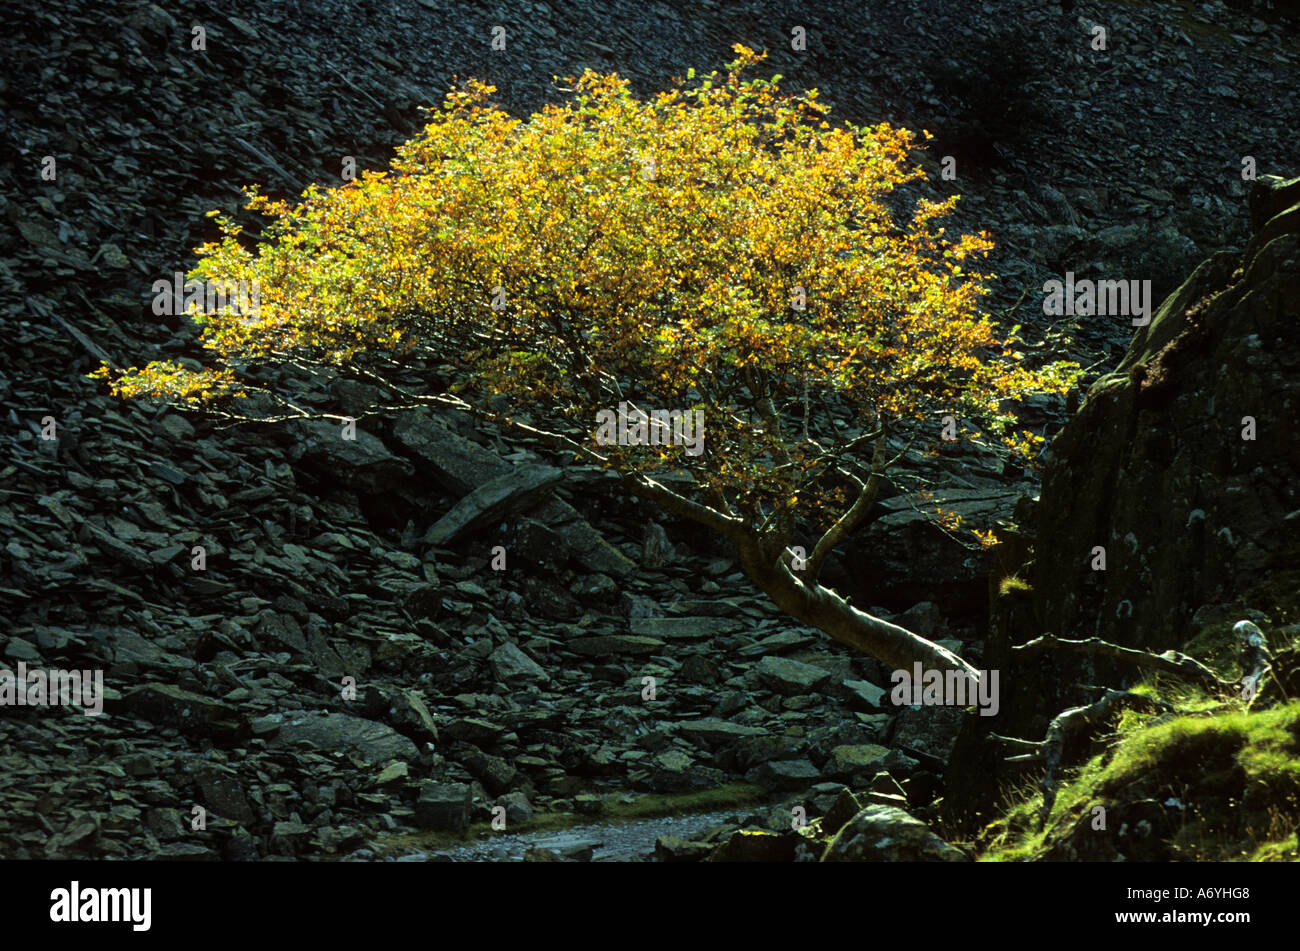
612 248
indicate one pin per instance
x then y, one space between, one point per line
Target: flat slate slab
780 641
684 628
715 730
338 731
790 677
514 491
606 644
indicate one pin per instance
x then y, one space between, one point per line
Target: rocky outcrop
1184 462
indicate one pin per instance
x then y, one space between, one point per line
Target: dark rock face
1161 468
1154 468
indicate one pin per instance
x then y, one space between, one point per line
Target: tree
719 249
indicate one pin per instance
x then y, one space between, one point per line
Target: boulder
888 834
848 762
518 808
1160 468
374 742
756 845
671 848
443 807
790 677
511 665
511 492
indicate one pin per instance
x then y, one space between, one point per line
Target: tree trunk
831 614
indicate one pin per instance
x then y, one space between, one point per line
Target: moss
1223 787
1283 850
1219 648
1013 584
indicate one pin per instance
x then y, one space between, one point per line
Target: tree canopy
718 248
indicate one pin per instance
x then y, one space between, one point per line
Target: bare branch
853 517
1172 661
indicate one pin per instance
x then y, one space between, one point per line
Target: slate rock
606 645
929 729
457 464
683 628
375 742
790 677
864 694
923 618
512 492
475 730
511 665
363 464
290 837
887 834
409 714
496 775
752 751
656 550
186 852
713 731
587 544
443 807
222 794
191 713
536 544
698 669
778 642
784 774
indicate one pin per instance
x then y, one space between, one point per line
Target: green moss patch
1223 787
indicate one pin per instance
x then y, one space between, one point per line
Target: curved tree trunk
761 557
831 614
